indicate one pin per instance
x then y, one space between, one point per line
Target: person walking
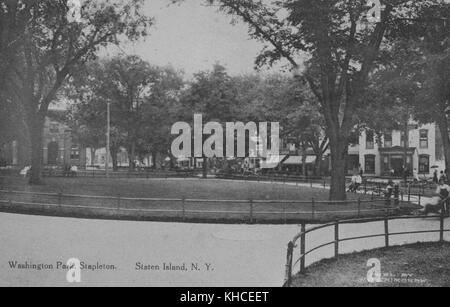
389 192
443 177
435 177
416 175
359 182
443 191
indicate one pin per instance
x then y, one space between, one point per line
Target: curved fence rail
375 186
185 209
300 239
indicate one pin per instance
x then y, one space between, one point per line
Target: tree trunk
405 157
154 160
36 127
443 127
339 152
93 151
113 152
304 171
132 157
318 166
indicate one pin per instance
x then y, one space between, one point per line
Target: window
424 139
386 168
424 164
54 128
370 144
75 153
388 140
370 164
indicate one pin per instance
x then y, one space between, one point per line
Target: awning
297 160
273 161
397 150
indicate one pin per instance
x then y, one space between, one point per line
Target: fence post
183 203
386 231
396 196
118 204
59 199
289 261
409 192
336 240
313 209
359 207
303 249
251 211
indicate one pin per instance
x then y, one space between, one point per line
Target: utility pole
108 138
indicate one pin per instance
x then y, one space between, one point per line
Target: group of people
437 178
438 204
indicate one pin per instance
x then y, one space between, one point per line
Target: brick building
58 146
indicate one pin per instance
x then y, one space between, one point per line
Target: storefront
393 160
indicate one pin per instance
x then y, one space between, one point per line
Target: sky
193 37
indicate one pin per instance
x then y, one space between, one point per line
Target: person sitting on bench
439 203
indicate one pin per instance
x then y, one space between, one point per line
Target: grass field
419 265
201 204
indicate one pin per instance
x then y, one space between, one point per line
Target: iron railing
185 209
301 238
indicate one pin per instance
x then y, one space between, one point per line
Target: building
382 156
379 156
59 147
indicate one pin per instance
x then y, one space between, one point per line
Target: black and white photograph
251 144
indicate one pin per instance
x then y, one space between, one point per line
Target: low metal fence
300 239
185 209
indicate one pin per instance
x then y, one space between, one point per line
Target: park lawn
239 210
418 265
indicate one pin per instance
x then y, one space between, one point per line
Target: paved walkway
226 255
239 255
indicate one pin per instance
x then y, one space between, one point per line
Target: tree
44 49
142 99
162 109
212 94
127 84
392 95
343 46
306 124
433 101
418 70
280 98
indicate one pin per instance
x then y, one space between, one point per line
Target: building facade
59 148
385 155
